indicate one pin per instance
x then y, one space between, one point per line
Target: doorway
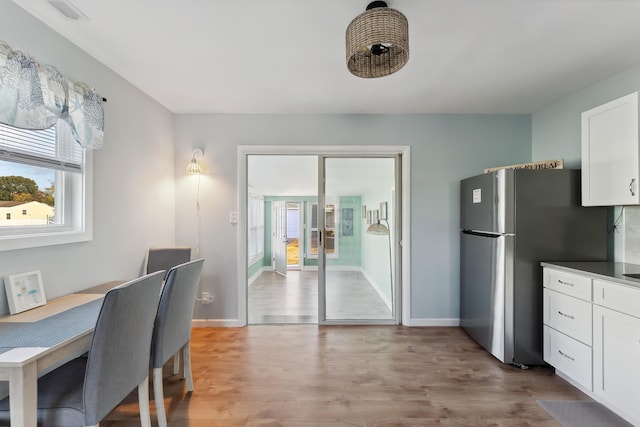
328 226
295 223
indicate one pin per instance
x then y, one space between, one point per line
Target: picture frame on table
24 291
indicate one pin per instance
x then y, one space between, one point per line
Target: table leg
23 391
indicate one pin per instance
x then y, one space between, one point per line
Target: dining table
34 342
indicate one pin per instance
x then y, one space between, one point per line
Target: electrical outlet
206 298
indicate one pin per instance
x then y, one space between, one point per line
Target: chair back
172 329
166 258
118 358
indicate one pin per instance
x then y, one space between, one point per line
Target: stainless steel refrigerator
510 221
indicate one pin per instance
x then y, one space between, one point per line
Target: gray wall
134 185
444 149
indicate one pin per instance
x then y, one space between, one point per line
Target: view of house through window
41 181
27 195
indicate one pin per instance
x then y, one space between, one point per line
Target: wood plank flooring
312 376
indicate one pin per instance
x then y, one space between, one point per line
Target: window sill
10 243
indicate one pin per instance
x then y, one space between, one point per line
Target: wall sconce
194 167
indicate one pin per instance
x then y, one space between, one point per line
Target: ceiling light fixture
377 41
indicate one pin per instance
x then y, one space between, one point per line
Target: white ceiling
288 56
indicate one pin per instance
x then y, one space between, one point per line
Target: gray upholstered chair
165 258
172 329
83 391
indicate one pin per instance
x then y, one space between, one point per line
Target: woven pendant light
377 41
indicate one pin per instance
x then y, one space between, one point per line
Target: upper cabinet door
610 153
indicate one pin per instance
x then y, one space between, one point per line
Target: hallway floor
275 299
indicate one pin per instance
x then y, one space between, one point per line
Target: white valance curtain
35 96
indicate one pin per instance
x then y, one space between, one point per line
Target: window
330 242
256 226
48 170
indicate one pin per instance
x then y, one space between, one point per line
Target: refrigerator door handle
484 234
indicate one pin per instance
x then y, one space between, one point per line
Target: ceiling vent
69 10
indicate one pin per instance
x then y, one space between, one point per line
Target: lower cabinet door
569 356
616 357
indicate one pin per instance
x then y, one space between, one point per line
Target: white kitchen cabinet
567 329
610 153
616 352
591 335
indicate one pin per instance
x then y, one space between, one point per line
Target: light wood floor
313 376
274 299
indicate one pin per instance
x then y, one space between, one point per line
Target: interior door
279 237
358 220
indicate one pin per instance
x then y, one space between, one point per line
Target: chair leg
186 357
176 364
143 401
158 396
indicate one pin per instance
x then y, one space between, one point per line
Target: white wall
444 149
133 192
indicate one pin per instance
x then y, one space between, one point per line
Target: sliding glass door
357 229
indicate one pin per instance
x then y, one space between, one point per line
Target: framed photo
24 291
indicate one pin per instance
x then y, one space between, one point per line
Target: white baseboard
217 323
235 323
257 274
433 322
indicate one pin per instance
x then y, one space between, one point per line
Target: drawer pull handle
562 282
566 315
567 356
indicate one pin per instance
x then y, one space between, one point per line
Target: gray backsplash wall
631 234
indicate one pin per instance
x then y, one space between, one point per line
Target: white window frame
255 226
76 210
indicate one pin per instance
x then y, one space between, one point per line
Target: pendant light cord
198 219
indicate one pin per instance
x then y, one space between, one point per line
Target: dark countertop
610 271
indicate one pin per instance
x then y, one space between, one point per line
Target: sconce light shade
378 229
194 167
377 41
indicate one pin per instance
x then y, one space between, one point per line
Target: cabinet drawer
568 315
617 297
568 283
568 356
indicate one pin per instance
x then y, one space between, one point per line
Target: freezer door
487 202
486 291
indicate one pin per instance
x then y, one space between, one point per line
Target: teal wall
349 247
255 267
555 130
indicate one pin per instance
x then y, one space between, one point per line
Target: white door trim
246 150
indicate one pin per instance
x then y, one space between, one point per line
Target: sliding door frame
325 150
396 206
